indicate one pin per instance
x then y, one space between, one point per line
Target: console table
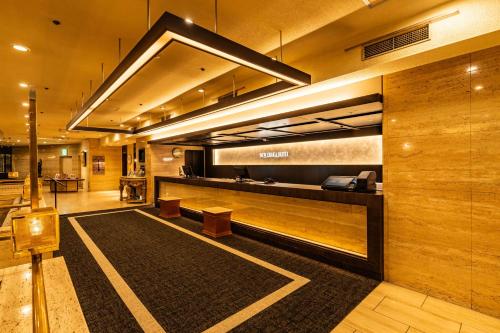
135 188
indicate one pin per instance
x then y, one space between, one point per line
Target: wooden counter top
303 191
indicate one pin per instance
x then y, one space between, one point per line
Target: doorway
196 159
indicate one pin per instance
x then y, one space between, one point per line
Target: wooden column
40 315
33 150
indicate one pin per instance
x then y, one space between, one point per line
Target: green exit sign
64 152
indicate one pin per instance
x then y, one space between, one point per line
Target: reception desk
342 227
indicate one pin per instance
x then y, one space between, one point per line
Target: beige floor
77 202
65 314
387 309
390 308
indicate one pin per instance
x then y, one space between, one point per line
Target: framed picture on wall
98 165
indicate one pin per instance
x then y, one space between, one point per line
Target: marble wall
50 156
441 179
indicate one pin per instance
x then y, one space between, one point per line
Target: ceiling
64 63
64 58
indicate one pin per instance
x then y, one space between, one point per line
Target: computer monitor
187 170
241 172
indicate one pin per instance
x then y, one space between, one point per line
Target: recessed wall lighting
20 48
472 69
27 124
479 87
188 20
25 104
23 85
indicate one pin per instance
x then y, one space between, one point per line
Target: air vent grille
395 42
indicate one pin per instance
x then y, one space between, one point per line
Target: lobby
250 166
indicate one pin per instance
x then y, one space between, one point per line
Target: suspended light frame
169 29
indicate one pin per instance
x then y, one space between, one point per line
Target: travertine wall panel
442 178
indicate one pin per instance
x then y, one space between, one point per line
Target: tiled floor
390 308
65 314
76 202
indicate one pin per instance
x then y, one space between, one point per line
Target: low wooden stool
170 207
217 221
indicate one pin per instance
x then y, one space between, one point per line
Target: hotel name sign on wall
274 154
365 150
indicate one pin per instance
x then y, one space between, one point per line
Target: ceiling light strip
172 28
251 96
367 99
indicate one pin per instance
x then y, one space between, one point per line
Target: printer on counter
364 182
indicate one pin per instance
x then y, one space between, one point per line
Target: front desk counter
332 224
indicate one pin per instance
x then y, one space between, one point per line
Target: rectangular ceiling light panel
171 28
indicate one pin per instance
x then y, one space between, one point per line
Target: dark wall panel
297 174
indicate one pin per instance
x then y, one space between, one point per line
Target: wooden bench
217 221
170 207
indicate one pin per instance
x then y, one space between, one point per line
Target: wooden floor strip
416 317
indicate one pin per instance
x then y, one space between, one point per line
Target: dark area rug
189 285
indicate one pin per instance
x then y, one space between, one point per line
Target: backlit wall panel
348 151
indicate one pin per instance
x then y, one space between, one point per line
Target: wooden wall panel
159 162
441 179
113 167
303 218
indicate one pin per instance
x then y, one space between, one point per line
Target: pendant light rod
102 71
119 50
216 16
281 45
170 29
234 87
148 13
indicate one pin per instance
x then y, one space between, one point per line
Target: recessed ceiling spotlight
138 118
188 20
23 85
121 125
27 124
63 136
478 87
18 140
201 90
45 142
26 116
20 48
25 104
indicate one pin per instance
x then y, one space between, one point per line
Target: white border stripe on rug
243 315
144 318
